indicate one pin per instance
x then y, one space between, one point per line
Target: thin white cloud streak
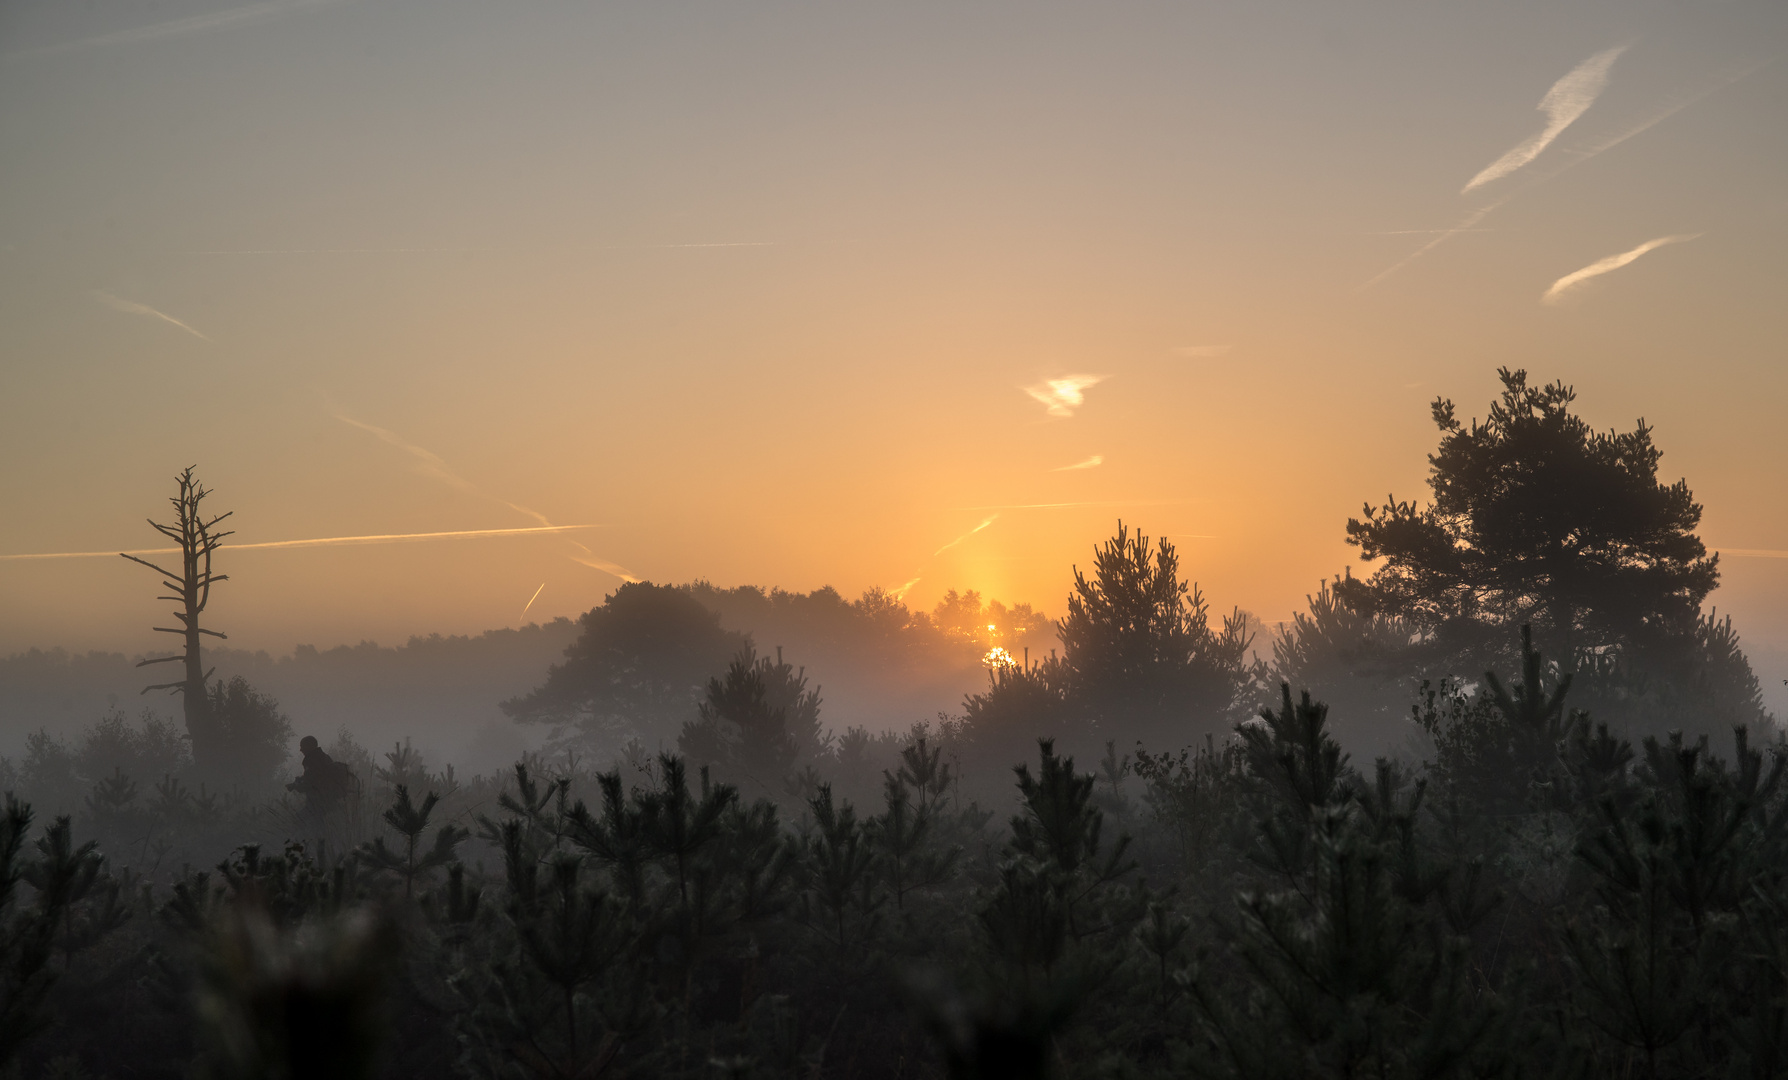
192 25
1569 98
1203 351
1603 266
1062 396
1667 112
430 464
131 307
1464 226
1753 553
900 592
1580 157
1090 463
609 568
530 602
321 541
990 519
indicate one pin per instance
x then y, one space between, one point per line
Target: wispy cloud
1203 352
1602 266
322 541
227 19
899 593
989 520
131 307
1575 159
1090 463
1062 396
1569 98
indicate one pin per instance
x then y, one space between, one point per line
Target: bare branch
150 565
160 660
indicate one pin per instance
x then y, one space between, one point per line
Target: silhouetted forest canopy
1508 804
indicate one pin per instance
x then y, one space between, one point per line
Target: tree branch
150 565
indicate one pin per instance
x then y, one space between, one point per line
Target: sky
918 295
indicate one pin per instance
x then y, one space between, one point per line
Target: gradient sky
763 288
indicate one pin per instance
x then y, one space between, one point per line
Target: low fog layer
877 665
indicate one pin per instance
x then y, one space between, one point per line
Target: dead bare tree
191 588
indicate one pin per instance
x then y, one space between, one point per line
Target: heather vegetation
1141 848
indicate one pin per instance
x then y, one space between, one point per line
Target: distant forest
1138 849
884 667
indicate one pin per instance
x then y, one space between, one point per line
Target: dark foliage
1538 519
636 668
1140 657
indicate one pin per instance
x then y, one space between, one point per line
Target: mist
791 541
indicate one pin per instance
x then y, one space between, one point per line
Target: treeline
1113 860
1543 897
884 664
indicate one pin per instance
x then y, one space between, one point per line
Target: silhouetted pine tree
1140 658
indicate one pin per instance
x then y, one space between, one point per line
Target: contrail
1753 553
187 27
1464 226
1569 98
427 462
1090 463
430 464
321 541
133 308
900 592
1603 266
991 518
1668 111
612 569
530 602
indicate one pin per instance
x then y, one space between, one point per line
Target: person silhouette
324 783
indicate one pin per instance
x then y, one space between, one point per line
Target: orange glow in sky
916 296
